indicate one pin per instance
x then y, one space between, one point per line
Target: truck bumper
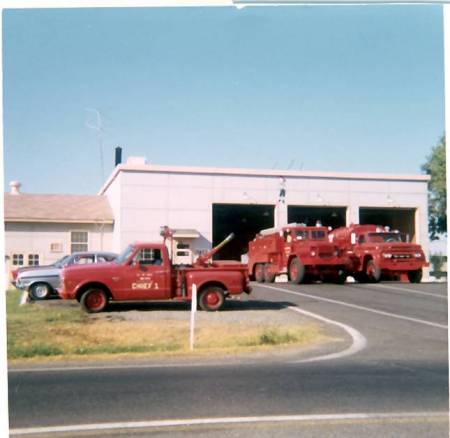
401 265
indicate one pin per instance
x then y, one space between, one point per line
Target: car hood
41 272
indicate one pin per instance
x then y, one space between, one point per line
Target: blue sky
326 88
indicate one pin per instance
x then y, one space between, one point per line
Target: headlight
387 255
313 253
418 255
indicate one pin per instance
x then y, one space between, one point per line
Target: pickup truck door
147 276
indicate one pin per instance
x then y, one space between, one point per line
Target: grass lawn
57 329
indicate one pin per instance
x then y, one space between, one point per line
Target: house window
17 259
78 241
33 259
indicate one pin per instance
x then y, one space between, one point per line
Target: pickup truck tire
373 272
269 277
94 300
211 298
415 276
40 291
296 271
259 273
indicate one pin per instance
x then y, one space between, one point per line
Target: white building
206 204
216 201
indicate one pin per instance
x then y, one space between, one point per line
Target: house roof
26 207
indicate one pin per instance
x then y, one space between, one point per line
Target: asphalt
402 369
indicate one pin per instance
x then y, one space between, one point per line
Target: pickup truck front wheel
211 298
94 300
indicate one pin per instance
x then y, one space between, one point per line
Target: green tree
437 190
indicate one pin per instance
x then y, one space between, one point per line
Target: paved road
402 371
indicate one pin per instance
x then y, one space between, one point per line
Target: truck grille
401 256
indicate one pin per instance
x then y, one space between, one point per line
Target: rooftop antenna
97 125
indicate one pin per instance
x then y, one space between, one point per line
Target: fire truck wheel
373 272
94 300
415 276
296 271
341 277
211 298
269 277
259 273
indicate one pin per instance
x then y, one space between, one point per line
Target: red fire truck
375 250
144 271
301 251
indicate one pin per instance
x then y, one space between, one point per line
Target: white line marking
385 286
225 420
354 306
358 344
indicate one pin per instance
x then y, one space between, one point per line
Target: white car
42 282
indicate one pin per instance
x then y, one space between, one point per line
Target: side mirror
353 238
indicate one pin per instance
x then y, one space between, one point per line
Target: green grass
57 329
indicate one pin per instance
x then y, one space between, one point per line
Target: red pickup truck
144 272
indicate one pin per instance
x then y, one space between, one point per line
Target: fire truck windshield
314 235
384 237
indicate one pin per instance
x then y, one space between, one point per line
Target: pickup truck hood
90 268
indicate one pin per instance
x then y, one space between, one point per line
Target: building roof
132 167
25 207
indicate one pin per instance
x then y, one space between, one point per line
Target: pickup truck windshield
124 254
384 237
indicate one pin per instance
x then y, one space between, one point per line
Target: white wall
143 201
36 238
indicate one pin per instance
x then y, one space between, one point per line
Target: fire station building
216 201
204 205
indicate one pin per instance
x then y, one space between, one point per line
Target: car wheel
296 271
259 273
415 276
40 291
94 300
373 272
211 299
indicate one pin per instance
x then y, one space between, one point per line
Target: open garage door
245 221
401 219
328 216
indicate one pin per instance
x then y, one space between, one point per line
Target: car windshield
124 254
61 262
384 237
